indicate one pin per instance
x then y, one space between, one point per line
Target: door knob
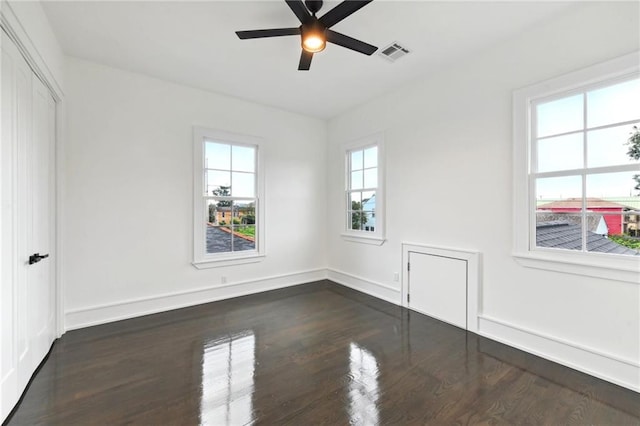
37 257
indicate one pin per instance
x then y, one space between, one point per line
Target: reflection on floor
228 365
363 386
312 354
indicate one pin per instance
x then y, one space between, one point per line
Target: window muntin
582 180
362 188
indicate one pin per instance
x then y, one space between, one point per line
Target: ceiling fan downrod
313 5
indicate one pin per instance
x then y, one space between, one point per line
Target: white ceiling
193 43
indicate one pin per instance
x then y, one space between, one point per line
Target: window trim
202 260
598 265
376 237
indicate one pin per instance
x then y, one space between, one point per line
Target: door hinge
408 298
408 266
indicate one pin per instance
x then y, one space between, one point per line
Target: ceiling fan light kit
314 32
314 38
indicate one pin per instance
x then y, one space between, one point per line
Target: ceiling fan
315 32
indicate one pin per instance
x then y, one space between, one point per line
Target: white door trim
16 32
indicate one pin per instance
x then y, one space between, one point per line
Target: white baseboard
372 288
102 314
612 368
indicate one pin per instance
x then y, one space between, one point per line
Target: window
364 197
227 194
577 187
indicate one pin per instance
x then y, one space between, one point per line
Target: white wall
128 195
449 183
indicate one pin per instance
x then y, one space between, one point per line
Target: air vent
393 52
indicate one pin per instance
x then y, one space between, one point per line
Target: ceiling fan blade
349 42
275 32
299 9
305 61
341 11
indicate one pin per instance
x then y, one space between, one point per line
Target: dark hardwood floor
312 354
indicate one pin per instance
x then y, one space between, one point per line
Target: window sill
227 261
363 239
627 270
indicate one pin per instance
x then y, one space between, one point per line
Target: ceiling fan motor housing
313 5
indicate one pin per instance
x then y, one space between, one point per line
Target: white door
438 287
40 278
27 292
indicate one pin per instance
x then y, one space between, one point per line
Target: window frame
202 259
600 265
376 237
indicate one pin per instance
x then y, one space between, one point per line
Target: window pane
369 211
608 147
244 237
246 212
614 104
371 157
230 226
243 159
371 178
561 116
368 221
622 244
610 233
355 200
357 220
235 213
243 184
368 200
217 236
559 231
222 212
356 160
218 183
609 186
606 221
356 180
601 223
560 153
217 156
631 224
211 210
218 239
559 193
